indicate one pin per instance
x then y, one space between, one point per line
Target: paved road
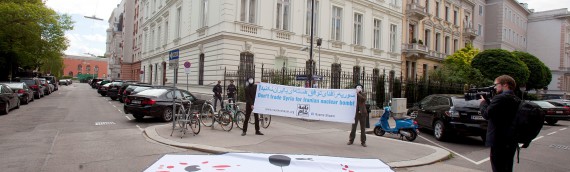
75 129
549 152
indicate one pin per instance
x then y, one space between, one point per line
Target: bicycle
264 120
224 118
207 113
237 115
186 118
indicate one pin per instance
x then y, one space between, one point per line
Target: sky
89 36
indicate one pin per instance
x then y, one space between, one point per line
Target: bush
538 77
496 62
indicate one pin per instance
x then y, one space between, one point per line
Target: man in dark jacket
359 117
232 89
250 93
500 113
218 95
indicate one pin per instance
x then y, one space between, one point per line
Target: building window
480 28
357 29
425 71
70 73
204 13
152 40
437 9
88 68
316 14
201 70
156 73
393 31
455 17
150 73
178 22
438 42
246 65
427 37
446 13
377 33
96 69
79 68
455 45
158 39
283 7
480 10
165 33
248 10
446 44
427 6
336 23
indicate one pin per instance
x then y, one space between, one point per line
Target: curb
439 154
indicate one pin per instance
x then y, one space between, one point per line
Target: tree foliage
32 37
457 69
496 62
540 75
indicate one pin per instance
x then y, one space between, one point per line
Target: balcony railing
470 33
417 11
248 27
415 48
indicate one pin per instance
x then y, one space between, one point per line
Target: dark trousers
216 99
358 119
502 157
248 111
231 98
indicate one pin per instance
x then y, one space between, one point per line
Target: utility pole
310 79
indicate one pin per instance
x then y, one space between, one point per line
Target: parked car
25 94
123 88
63 82
103 82
52 80
36 85
128 91
70 81
8 99
94 82
113 91
48 89
103 89
560 103
552 113
158 103
450 114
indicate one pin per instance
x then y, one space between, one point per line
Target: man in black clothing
218 95
500 113
250 92
232 89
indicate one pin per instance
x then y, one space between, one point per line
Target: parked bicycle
207 113
264 120
238 116
186 119
224 119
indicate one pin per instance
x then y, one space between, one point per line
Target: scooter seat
402 118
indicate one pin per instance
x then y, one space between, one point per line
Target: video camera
476 93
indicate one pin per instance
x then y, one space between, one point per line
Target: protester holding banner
218 95
360 117
250 93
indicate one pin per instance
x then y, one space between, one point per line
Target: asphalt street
75 129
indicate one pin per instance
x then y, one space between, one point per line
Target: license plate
136 102
559 112
477 117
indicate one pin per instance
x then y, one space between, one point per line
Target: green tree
457 68
496 62
539 72
32 37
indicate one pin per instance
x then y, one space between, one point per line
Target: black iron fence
379 87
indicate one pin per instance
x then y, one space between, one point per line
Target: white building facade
214 35
114 50
549 40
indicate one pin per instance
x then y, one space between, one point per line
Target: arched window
201 70
96 69
79 68
88 68
246 65
70 73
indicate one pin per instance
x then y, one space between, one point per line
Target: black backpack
527 124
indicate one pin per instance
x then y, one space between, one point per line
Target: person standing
232 89
250 92
360 117
218 95
500 112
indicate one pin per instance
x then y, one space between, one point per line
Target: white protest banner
335 105
247 162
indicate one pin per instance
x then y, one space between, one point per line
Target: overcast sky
89 36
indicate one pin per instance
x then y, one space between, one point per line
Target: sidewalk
294 136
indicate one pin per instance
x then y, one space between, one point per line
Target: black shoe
258 133
363 144
243 134
349 143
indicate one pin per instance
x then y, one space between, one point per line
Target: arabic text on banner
335 105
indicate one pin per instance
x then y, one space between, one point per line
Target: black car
93 82
128 91
552 113
8 99
113 90
25 94
53 81
36 85
559 103
450 114
123 89
103 89
158 103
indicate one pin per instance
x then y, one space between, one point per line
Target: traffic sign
187 65
174 54
173 64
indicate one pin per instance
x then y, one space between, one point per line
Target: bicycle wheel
264 120
240 119
207 115
194 124
226 121
180 117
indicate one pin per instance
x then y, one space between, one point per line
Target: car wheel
167 115
378 131
27 100
121 100
6 109
551 121
33 98
138 117
113 98
18 104
439 130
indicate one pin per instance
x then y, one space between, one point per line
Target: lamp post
311 47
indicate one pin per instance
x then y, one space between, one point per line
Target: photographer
500 112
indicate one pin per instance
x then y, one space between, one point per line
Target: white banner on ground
247 162
335 105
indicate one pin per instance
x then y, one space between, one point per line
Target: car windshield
117 83
139 89
107 85
460 102
544 104
16 85
153 92
29 81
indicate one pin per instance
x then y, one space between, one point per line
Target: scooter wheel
378 131
413 135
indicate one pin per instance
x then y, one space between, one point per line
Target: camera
476 93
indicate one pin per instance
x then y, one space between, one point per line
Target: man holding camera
500 112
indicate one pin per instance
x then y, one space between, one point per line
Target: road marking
470 160
50 150
104 123
551 133
562 129
539 137
140 128
484 160
120 110
128 117
114 106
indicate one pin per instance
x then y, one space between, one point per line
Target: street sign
187 65
173 55
142 72
173 64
